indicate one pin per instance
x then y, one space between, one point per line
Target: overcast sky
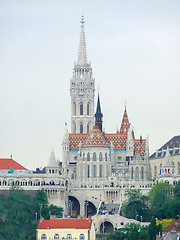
134 48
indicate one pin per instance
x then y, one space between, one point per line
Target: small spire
125 103
98 115
82 56
125 123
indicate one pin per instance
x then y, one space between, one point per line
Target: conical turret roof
125 123
52 160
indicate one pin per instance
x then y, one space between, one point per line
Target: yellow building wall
63 233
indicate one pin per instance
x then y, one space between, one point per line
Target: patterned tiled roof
65 223
96 138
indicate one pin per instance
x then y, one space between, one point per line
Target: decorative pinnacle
82 20
125 103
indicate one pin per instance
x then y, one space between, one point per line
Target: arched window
88 171
81 236
94 156
4 183
88 128
94 171
88 109
88 157
56 236
17 183
137 173
81 128
37 183
23 183
43 236
142 173
106 157
81 109
132 173
100 157
74 127
100 171
69 236
30 183
155 170
74 109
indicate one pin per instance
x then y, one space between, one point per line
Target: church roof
118 140
65 223
6 163
172 143
125 123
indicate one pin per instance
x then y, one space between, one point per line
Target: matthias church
96 167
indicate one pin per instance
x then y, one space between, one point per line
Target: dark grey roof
172 236
173 142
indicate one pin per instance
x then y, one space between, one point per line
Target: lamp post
136 217
86 208
36 216
70 207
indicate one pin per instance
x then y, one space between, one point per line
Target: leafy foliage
19 213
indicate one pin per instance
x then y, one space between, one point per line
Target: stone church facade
97 167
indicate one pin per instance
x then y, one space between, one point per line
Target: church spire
125 123
82 55
98 115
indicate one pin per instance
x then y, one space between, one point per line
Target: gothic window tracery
81 128
94 171
81 108
94 156
88 157
137 173
100 157
88 109
142 173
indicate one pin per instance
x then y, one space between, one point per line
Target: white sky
134 48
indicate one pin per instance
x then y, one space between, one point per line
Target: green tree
153 229
136 205
160 198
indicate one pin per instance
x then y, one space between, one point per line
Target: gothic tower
82 90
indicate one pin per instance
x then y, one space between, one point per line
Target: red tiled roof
6 163
65 223
170 228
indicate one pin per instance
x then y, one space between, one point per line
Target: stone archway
73 206
90 208
105 227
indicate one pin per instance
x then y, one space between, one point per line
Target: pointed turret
125 123
82 55
98 115
52 160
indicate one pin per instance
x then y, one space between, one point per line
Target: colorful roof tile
6 163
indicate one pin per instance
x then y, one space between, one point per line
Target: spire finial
82 56
125 103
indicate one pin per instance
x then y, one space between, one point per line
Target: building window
100 157
43 236
74 108
142 173
94 156
155 171
69 236
4 183
88 128
81 236
56 236
81 128
137 173
81 109
131 173
106 157
88 171
94 171
100 171
88 109
88 157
